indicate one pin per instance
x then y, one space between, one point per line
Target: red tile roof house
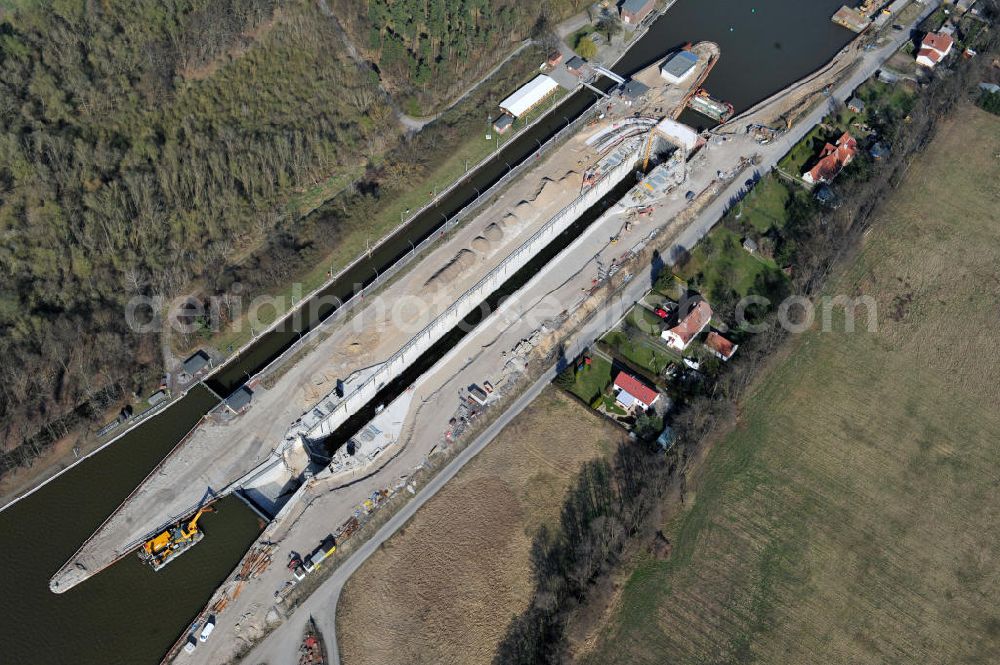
633 392
696 320
720 347
633 11
832 159
934 48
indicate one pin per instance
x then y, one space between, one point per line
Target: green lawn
611 406
764 207
719 266
591 381
850 516
638 351
644 320
574 39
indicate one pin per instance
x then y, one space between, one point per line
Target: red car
660 312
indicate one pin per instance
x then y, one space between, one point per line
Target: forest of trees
149 147
428 50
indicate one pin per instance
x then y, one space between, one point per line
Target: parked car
665 310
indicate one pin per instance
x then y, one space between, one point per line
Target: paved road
278 647
281 644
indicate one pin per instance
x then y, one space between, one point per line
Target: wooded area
427 51
150 148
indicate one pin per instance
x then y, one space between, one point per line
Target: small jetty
857 19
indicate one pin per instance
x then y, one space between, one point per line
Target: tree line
607 504
610 503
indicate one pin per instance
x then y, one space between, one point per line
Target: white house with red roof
690 326
632 392
720 347
832 160
934 48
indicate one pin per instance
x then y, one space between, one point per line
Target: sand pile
461 262
527 211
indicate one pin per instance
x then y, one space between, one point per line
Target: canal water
129 614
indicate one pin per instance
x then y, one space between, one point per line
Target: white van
207 630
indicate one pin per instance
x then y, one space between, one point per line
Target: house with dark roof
239 401
633 89
633 11
575 64
855 104
503 123
878 151
689 327
678 66
197 362
631 392
825 196
832 159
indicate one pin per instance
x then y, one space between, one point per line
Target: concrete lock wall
468 301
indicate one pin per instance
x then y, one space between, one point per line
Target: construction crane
159 550
647 153
696 87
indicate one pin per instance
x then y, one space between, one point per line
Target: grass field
764 207
638 350
719 264
591 381
444 589
851 516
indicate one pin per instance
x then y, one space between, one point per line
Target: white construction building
679 134
678 66
529 95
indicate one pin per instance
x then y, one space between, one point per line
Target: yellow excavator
161 549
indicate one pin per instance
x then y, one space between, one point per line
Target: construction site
624 179
267 461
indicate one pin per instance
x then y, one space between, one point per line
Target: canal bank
797 65
129 614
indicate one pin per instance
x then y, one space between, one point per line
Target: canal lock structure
128 614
